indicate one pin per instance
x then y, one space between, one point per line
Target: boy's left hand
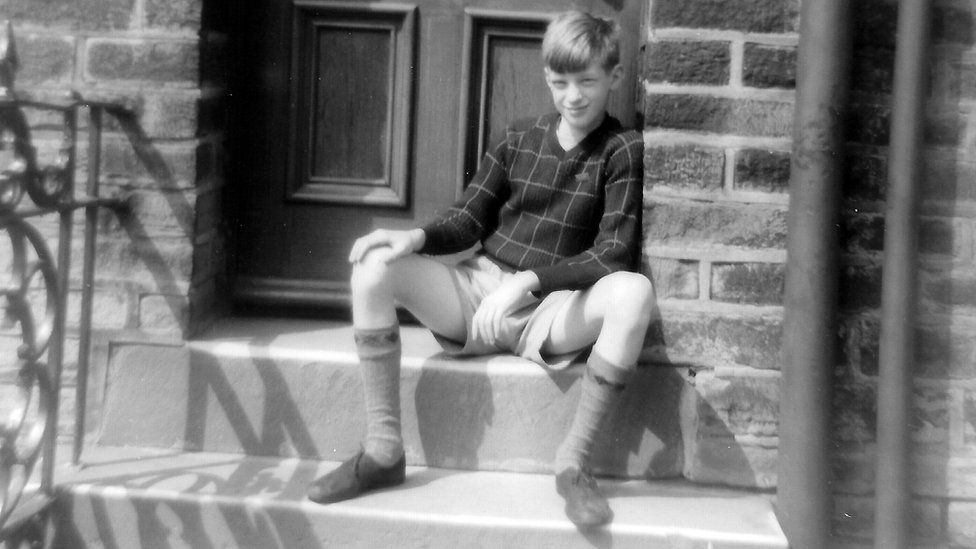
511 296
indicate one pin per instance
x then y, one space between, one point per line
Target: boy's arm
618 236
476 213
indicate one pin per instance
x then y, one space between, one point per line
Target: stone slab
132 498
292 389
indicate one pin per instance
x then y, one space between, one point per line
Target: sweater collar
586 144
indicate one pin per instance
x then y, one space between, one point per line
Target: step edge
344 509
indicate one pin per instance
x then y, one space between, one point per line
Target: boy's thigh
578 323
426 288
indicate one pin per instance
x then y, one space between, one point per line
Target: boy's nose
573 94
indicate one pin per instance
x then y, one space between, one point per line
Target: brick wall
160 266
719 77
719 80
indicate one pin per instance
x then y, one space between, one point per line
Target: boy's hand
389 245
505 300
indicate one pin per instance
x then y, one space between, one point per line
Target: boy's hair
575 39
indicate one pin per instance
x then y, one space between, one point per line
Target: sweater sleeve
618 238
475 213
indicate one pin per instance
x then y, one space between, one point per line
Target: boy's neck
569 137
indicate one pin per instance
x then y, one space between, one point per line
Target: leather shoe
356 475
584 505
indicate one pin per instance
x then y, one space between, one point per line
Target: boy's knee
632 294
368 273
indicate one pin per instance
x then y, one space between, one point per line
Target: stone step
291 388
135 498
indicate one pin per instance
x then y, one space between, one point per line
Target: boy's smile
581 97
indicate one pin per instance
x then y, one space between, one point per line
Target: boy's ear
616 76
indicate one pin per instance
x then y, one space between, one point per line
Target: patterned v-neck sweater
571 216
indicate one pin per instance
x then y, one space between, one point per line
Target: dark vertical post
87 280
897 345
810 325
55 352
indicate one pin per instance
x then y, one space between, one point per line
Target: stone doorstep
128 497
291 388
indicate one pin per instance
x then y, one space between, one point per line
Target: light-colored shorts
524 331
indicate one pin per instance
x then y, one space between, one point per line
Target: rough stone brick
948 179
929 423
76 14
869 124
45 59
854 516
860 287
682 223
110 309
863 232
769 66
936 236
674 278
157 263
950 289
174 14
762 170
754 283
719 115
859 343
163 313
170 116
854 411
729 462
952 25
158 165
688 62
874 23
714 340
163 62
853 471
771 16
962 523
865 174
686 167
156 212
940 353
873 70
953 79
738 405
944 129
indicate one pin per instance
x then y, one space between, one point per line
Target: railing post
897 343
804 502
87 282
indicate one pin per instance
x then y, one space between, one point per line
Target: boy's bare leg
426 289
615 314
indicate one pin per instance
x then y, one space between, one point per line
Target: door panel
349 116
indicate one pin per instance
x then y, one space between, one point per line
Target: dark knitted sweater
571 216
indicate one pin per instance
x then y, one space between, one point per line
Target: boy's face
581 97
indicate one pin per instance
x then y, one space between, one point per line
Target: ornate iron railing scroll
36 286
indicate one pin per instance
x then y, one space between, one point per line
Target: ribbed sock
600 388
379 358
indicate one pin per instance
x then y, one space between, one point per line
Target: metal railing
36 289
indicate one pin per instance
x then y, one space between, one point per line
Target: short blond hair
574 39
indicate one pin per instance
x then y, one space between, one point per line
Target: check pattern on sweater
571 217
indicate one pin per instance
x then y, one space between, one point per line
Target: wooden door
349 116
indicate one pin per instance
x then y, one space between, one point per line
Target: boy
556 207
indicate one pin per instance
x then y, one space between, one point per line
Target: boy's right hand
388 245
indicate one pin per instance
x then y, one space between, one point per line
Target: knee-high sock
379 358
600 388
